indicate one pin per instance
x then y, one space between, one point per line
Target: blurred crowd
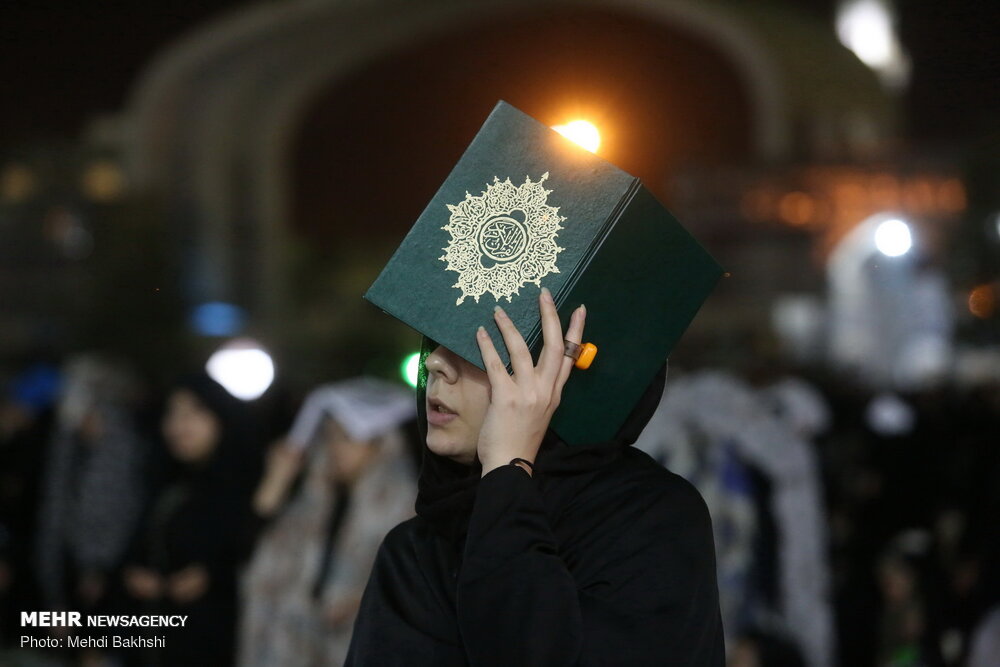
260 529
852 528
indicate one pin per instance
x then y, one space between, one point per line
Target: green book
526 208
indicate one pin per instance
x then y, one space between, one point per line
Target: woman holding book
528 551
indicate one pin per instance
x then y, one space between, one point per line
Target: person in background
903 619
91 490
303 586
197 529
985 644
26 416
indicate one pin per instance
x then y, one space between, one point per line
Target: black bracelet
528 463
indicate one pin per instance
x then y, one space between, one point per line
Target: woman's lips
435 417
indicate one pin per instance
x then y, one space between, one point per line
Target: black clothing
200 516
22 463
192 524
603 557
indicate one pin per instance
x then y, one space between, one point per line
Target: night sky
62 63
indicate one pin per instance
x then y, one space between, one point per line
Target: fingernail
499 310
481 331
583 309
547 295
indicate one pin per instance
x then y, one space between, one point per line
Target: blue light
37 387
218 319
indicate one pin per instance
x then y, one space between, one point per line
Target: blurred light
36 388
582 133
799 321
218 319
865 27
983 301
888 415
923 359
17 183
410 368
892 238
797 208
851 201
885 191
243 367
102 181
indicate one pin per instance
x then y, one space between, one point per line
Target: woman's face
458 395
348 457
190 429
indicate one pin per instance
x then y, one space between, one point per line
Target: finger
574 333
520 355
552 351
496 371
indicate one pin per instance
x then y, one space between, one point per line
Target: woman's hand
284 461
521 405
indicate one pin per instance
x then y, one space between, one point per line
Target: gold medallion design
502 239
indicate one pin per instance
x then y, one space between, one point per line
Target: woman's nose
442 364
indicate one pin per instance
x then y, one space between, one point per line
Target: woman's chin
450 449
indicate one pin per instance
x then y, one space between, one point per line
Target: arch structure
210 124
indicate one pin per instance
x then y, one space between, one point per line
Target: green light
410 368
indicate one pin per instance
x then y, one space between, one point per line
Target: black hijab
235 460
217 490
620 570
447 489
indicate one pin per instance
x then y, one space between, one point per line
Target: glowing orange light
796 208
918 195
982 301
850 200
103 181
581 132
885 192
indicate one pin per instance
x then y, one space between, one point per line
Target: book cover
524 208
